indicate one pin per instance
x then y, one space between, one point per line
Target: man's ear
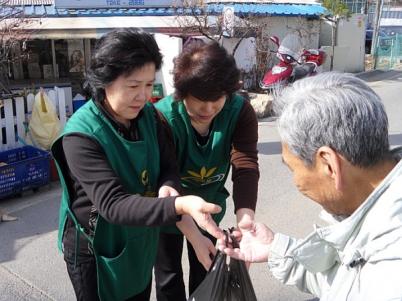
331 163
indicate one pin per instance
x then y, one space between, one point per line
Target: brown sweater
244 158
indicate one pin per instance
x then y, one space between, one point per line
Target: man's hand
245 223
166 191
254 244
201 212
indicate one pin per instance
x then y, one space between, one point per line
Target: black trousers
168 268
83 276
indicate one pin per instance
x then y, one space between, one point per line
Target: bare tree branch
194 18
14 32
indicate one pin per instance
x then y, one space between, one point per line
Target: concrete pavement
32 269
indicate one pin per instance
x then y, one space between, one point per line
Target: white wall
350 50
170 48
280 26
245 54
352 33
309 31
325 33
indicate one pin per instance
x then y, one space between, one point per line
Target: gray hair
336 110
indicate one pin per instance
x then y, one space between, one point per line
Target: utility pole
365 8
376 27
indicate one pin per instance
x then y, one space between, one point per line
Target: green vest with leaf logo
124 254
203 168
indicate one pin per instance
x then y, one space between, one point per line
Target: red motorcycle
290 67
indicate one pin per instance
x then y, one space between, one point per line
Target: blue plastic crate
22 169
78 104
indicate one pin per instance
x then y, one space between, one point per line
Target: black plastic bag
225 282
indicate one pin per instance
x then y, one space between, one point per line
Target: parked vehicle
294 63
157 93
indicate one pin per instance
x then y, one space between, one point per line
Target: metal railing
389 52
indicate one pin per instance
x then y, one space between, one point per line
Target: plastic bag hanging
44 126
225 281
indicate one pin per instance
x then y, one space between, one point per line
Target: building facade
62 33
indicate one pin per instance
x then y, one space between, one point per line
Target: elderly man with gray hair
334 133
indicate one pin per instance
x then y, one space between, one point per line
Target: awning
241 9
66 23
102 22
95 27
272 9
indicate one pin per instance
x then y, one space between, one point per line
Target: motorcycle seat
302 71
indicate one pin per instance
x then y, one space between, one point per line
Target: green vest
124 255
203 168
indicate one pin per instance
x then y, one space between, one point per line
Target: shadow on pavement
381 75
269 148
395 139
38 219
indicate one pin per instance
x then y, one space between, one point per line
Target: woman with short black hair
213 129
114 160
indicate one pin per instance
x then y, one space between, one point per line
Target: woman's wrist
189 229
194 237
245 216
178 205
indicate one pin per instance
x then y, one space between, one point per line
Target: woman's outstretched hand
201 212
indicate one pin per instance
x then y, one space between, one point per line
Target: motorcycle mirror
275 40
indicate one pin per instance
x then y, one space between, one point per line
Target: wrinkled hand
201 212
244 226
203 248
253 246
166 191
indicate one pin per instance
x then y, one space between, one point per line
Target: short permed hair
205 71
119 52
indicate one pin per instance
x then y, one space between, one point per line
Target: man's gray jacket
357 258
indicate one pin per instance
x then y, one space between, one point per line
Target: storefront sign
114 3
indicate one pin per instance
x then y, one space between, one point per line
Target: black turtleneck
97 189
